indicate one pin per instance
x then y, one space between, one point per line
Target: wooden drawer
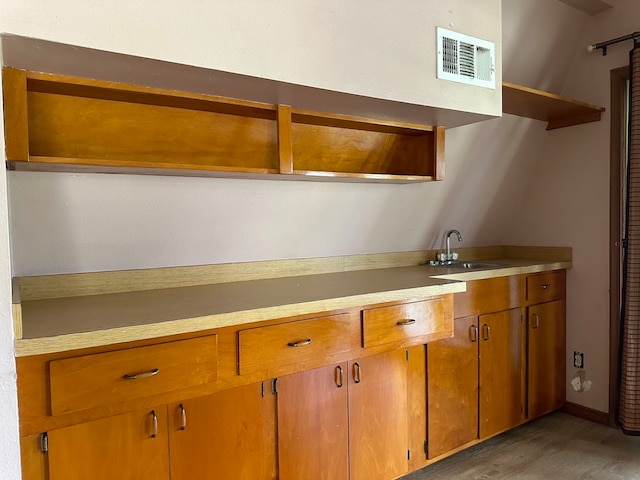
293 346
413 323
546 287
101 379
490 295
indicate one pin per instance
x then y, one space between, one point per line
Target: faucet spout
448 238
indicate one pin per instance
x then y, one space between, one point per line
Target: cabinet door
127 447
501 371
546 333
452 379
230 434
313 425
378 436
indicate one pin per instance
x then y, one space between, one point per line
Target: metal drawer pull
339 376
154 418
545 286
407 321
301 343
136 376
356 373
183 418
473 333
486 332
536 322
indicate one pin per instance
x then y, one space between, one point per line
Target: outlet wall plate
578 359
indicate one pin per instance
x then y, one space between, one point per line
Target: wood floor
557 446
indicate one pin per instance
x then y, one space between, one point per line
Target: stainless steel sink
476 265
467 265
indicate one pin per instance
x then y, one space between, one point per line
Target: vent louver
465 59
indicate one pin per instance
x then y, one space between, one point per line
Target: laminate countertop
73 322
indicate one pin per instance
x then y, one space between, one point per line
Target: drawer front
293 346
410 323
91 381
490 295
546 287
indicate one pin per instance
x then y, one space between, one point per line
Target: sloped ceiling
588 6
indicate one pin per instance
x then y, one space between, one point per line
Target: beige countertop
73 322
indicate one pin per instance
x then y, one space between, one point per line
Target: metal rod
635 36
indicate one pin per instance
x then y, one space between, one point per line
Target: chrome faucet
449 255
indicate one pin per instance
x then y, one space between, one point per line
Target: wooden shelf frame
557 111
62 123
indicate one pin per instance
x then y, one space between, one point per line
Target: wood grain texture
313 424
417 405
501 371
34 463
545 287
285 145
407 321
490 295
231 434
558 111
452 379
546 358
307 344
16 129
179 364
378 432
439 146
116 447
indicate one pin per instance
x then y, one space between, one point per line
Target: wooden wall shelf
63 123
557 111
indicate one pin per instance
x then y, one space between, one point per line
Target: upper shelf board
557 111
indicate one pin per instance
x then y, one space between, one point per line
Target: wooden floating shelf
62 123
557 111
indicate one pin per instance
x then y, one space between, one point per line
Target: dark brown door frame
619 77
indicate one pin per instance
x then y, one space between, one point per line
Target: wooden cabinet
230 434
546 337
61 123
452 378
347 421
475 380
501 379
130 446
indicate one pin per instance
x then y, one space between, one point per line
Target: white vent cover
465 59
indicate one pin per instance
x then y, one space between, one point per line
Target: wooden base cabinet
227 435
128 447
231 434
475 380
546 357
347 421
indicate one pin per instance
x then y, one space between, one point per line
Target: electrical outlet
578 359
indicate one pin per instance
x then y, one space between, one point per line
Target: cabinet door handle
154 423
136 376
536 321
183 417
544 286
338 377
300 343
473 333
356 373
407 321
486 332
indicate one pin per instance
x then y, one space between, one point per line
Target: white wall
567 200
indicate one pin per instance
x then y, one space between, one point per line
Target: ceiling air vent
465 59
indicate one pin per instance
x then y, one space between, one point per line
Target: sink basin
476 265
468 265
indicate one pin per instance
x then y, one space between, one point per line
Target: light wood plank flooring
557 446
